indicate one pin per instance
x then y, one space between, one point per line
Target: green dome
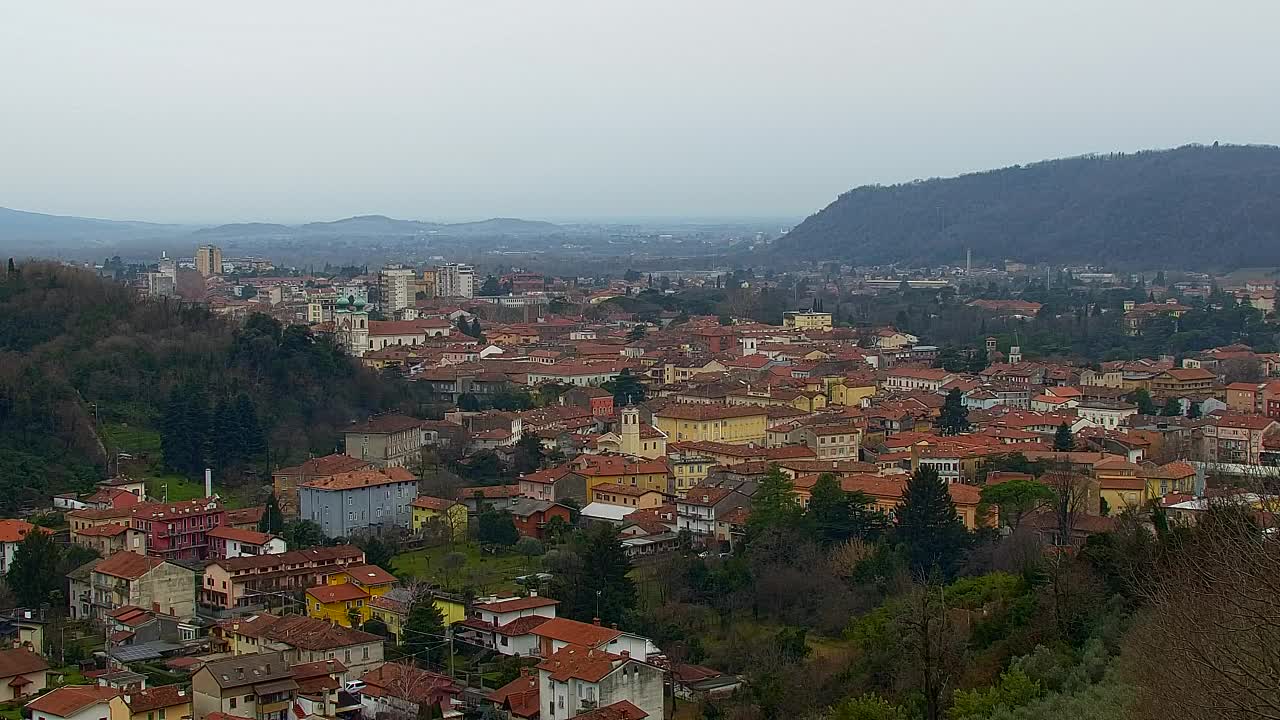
343 302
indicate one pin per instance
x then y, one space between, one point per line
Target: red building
531 516
179 530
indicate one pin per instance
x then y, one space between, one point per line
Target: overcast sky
317 109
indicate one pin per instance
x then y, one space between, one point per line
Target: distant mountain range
1188 208
29 231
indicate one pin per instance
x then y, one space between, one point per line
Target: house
696 683
162 702
109 539
347 593
576 681
627 496
531 516
831 441
599 402
478 497
302 639
806 320
286 480
556 484
395 690
622 470
79 702
392 608
258 686
507 625
518 698
228 542
320 690
241 582
1106 414
732 424
446 519
385 441
175 530
1228 438
22 673
246 518
362 501
1179 382
700 508
128 578
12 532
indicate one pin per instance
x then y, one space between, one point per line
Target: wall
641 685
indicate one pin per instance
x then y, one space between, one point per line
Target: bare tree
933 645
1073 494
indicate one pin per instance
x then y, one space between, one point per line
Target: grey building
358 502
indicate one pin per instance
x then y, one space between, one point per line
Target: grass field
481 571
148 464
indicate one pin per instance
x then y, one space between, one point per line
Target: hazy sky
286 110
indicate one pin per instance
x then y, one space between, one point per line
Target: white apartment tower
397 288
454 280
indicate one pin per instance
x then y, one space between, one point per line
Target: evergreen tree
835 515
249 435
423 637
1062 439
954 418
1172 407
173 432
272 519
227 450
477 332
1142 399
926 523
496 527
774 505
599 579
1193 412
199 450
33 575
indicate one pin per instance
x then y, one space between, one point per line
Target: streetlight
598 604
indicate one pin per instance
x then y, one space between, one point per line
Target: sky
292 110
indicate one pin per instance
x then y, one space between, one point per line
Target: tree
836 516
529 547
1063 440
927 524
424 632
638 332
865 707
378 552
595 575
954 417
302 534
949 359
724 320
1070 500
490 286
1172 407
1193 411
1142 399
933 649
451 563
528 454
272 519
496 527
627 389
33 575
1016 499
774 505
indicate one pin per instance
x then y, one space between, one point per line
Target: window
346 656
364 656
232 703
161 713
248 698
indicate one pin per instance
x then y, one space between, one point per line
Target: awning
277 686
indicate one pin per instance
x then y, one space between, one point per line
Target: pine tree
249 435
225 437
954 418
272 519
774 505
423 637
199 450
173 432
1062 439
928 526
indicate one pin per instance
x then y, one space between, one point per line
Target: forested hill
1193 207
79 354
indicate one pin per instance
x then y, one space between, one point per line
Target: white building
1104 414
455 280
397 288
576 680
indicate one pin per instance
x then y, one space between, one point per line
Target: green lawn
139 442
482 571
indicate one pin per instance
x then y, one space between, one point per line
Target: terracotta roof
406 683
520 696
327 465
369 575
517 604
128 565
521 626
699 411
249 537
154 698
310 633
577 633
342 592
293 557
1188 374
246 516
426 502
489 492
578 662
361 479
67 701
621 710
108 530
622 489
19 661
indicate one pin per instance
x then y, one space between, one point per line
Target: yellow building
807 320
851 392
345 598
162 702
393 608
623 470
733 424
439 515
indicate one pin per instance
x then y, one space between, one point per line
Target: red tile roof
361 479
578 662
519 697
342 592
249 537
577 633
128 565
426 502
517 604
383 424
621 710
69 700
369 575
700 412
154 698
20 661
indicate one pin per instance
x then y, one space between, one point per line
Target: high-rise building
397 288
209 260
455 280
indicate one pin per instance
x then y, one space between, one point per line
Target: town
579 452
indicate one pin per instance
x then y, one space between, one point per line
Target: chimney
533 593
613 625
595 621
626 654
128 699
208 482
182 693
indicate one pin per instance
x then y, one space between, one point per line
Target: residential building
228 542
22 673
732 424
128 578
162 702
286 480
831 441
927 379
531 516
359 502
804 320
385 441
701 507
577 681
1235 439
1178 382
242 581
304 640
347 593
622 470
627 496
555 484
1105 413
506 626
176 530
397 288
320 690
392 608
443 518
258 686
79 702
455 281
209 260
403 691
